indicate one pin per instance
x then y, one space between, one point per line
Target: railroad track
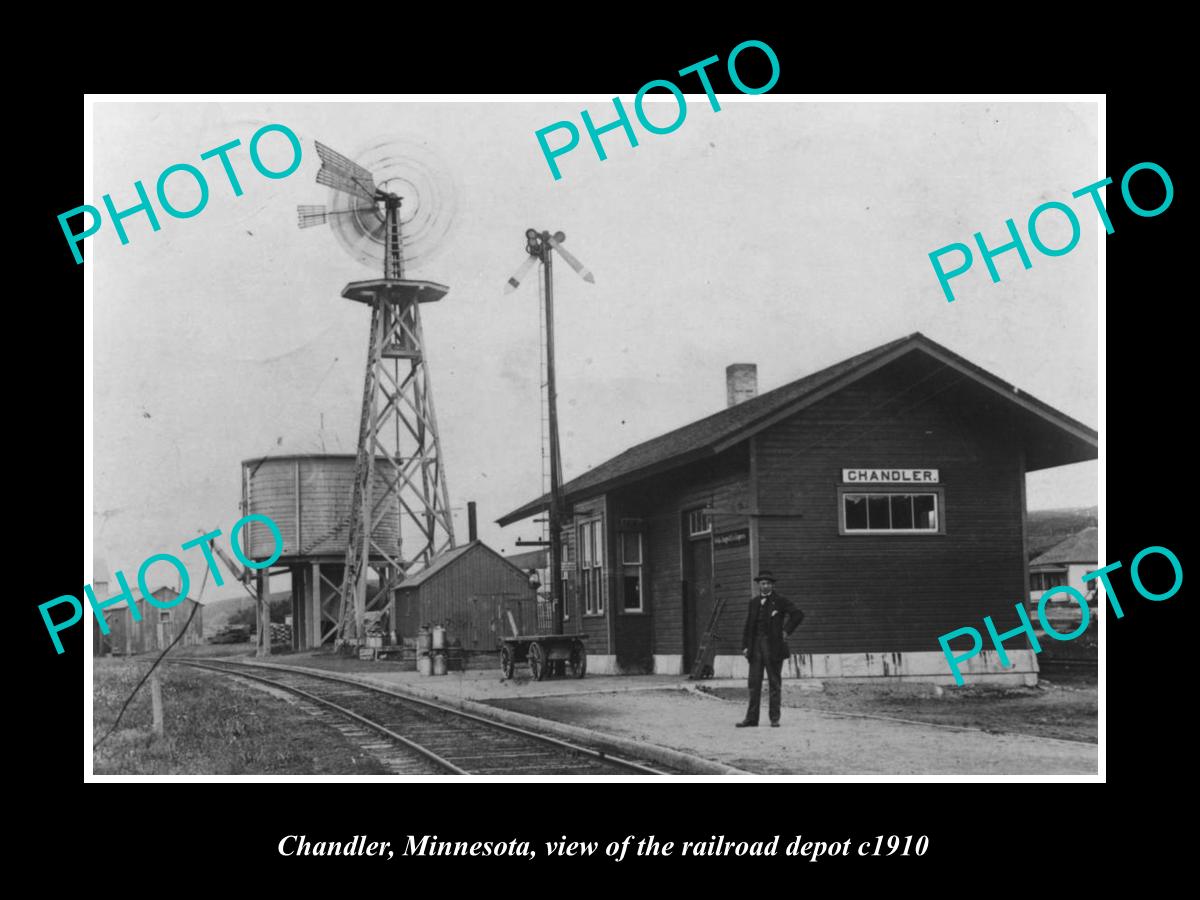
414 736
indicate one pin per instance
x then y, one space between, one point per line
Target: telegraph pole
555 463
538 245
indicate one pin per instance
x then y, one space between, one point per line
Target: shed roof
533 559
1080 547
157 592
722 430
447 558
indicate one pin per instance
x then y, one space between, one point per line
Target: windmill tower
388 219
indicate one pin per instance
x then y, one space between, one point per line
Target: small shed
157 627
470 590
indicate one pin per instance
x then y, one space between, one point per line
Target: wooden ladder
703 666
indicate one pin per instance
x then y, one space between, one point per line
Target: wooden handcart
547 654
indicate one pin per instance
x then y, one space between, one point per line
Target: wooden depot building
886 493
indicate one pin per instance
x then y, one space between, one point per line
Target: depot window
891 512
631 572
699 522
591 566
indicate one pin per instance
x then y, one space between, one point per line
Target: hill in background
1047 527
220 613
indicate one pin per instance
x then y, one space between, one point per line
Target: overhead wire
178 638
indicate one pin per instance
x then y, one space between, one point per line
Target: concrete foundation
930 667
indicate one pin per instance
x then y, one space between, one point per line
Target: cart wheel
507 665
537 661
578 659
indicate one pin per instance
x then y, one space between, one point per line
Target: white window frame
590 556
631 567
939 510
707 520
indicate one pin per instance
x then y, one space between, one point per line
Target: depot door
698 587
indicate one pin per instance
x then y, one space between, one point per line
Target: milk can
439 637
424 641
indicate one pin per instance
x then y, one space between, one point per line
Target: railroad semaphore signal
539 244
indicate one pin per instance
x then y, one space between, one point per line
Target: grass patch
213 726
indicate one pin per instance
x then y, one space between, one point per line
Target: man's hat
766 575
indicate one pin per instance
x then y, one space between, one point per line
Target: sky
786 234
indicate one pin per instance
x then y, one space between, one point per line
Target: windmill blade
311 215
515 282
584 272
319 215
343 174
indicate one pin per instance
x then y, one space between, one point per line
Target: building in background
471 590
156 628
101 643
1065 563
536 566
886 492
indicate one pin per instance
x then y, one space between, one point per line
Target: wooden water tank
308 497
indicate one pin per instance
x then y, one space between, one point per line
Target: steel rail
440 707
412 745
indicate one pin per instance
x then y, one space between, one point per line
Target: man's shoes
774 724
744 724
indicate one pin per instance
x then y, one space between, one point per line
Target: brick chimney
741 382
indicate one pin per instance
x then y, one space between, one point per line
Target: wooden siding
470 597
572 608
861 593
722 484
866 593
128 636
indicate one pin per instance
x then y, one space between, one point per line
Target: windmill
538 245
391 210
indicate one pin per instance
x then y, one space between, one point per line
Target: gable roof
722 430
533 559
162 592
166 592
447 558
1078 548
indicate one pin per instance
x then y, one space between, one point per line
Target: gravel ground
810 742
816 736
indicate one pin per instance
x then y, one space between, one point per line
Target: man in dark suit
769 620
